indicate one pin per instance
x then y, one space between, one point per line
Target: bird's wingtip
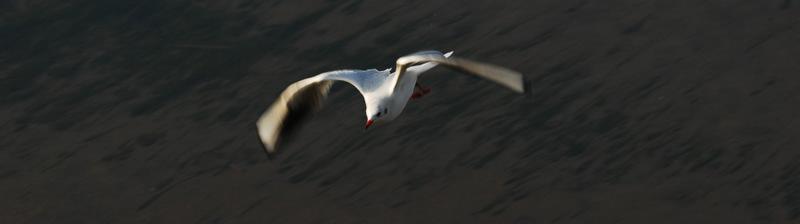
270 150
526 84
270 156
521 85
519 89
448 54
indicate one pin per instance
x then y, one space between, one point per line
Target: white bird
385 93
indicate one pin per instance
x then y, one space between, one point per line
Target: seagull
385 93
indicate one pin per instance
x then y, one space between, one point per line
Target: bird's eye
378 114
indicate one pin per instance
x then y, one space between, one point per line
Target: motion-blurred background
642 112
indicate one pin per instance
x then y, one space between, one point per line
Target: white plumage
385 93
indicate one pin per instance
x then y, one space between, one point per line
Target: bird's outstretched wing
503 76
301 99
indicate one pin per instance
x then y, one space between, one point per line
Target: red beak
369 123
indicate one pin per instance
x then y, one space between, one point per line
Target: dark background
642 112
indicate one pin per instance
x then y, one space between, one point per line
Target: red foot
425 90
420 92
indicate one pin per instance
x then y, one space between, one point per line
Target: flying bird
385 93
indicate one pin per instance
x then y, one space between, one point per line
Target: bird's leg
424 90
419 91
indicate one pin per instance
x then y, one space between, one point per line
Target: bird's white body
385 92
398 94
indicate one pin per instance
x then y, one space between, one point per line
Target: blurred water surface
641 112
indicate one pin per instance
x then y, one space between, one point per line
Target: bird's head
376 114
